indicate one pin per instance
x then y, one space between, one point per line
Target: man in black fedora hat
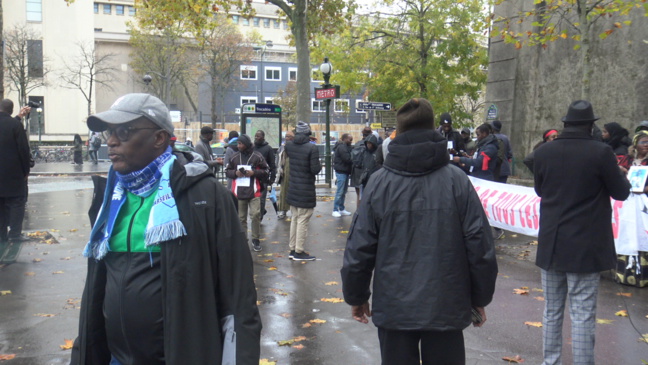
575 176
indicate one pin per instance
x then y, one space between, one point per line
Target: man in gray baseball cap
163 224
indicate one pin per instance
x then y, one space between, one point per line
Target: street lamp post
167 85
268 44
326 68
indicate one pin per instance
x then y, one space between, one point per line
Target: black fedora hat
580 111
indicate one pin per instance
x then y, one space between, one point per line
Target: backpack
357 155
96 142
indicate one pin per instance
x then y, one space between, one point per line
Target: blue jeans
342 186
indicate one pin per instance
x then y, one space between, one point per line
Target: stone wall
533 87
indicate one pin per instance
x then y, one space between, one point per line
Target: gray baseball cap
130 107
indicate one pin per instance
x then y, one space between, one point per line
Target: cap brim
99 122
565 120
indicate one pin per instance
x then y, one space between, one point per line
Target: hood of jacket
264 143
371 138
490 139
190 174
301 138
417 152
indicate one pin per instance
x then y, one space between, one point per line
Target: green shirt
130 228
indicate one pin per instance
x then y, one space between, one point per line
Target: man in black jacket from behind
304 167
423 234
14 165
575 177
170 279
343 167
265 149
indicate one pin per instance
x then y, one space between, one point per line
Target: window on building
277 23
285 23
235 19
319 106
96 8
255 21
248 100
273 73
292 73
341 106
316 75
248 72
266 22
119 9
246 22
35 118
34 11
107 9
35 58
131 11
269 100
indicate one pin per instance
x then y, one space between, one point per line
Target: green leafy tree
287 99
543 22
424 48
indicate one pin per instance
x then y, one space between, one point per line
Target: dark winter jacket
575 176
260 168
357 172
204 149
304 167
369 165
505 169
421 230
208 291
483 165
456 138
269 155
14 163
342 158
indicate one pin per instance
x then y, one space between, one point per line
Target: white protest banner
517 209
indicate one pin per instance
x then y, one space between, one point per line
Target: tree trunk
299 31
585 50
1 55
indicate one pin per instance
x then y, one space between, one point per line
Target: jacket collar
574 133
417 152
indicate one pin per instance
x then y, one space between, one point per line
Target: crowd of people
170 276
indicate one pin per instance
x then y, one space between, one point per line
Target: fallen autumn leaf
68 344
332 300
7 356
513 359
624 294
604 321
520 292
331 283
533 324
318 321
621 313
5 292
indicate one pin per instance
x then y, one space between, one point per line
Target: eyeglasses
123 132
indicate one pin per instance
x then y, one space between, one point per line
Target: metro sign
332 92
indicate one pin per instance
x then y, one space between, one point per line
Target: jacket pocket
229 340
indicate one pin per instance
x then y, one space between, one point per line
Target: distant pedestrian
169 278
189 143
14 165
343 167
359 149
77 150
94 144
618 138
454 137
469 144
482 164
283 177
230 150
248 170
547 136
575 177
265 149
426 249
203 148
369 165
304 167
503 171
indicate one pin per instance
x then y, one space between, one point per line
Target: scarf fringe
164 232
97 249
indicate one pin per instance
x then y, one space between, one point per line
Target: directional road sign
370 105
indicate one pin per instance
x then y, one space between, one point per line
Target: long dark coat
575 176
304 167
14 163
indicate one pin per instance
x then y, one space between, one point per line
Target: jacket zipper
128 263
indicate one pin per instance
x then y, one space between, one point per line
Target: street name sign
370 105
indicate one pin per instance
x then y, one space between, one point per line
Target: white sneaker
345 212
337 214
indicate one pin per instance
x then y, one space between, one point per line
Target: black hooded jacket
342 158
422 231
304 167
269 155
208 293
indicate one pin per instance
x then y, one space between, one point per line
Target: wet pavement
45 284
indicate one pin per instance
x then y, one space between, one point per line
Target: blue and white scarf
164 221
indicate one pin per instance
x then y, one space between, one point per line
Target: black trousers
12 213
437 347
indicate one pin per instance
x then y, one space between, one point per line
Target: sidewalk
66 168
